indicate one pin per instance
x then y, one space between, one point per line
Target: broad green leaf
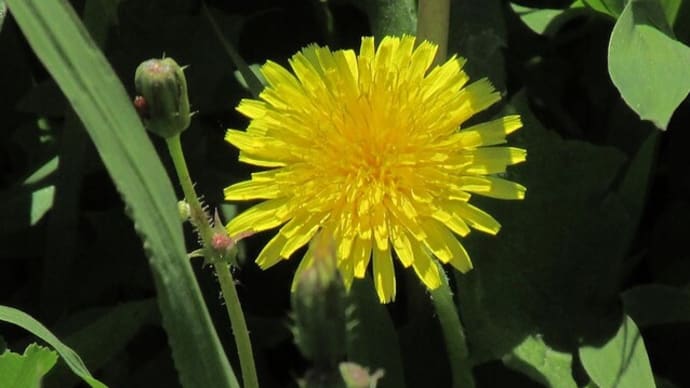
373 342
26 322
621 362
549 270
609 7
537 360
644 59
103 338
655 304
26 370
89 83
537 19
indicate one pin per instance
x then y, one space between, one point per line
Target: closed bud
356 376
184 210
161 84
319 308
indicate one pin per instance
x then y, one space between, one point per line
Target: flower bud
355 376
184 210
319 308
161 84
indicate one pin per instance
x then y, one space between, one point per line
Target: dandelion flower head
371 150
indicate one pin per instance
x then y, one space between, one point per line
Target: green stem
227 284
453 333
433 20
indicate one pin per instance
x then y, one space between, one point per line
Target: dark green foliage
594 259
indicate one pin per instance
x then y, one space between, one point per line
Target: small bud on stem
162 103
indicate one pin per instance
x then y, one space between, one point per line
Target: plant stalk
453 333
227 283
433 20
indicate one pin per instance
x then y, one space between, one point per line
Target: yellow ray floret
371 150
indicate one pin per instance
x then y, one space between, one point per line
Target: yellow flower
370 150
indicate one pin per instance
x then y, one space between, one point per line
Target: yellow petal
300 234
384 275
475 217
306 262
360 256
243 191
253 109
425 268
493 160
270 254
445 246
453 221
402 244
495 131
500 188
265 215
276 74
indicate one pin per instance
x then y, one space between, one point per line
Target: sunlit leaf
645 59
552 367
537 19
609 7
25 321
26 370
621 362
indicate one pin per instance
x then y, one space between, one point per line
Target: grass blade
63 45
24 320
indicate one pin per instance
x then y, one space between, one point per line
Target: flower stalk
453 333
227 284
433 20
432 24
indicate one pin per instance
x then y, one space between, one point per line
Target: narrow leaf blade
63 45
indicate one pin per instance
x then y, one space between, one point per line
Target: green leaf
621 362
25 321
609 7
101 339
671 9
26 370
551 269
536 359
655 304
645 59
373 343
537 19
87 80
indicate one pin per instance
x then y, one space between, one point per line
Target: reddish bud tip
222 242
141 106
